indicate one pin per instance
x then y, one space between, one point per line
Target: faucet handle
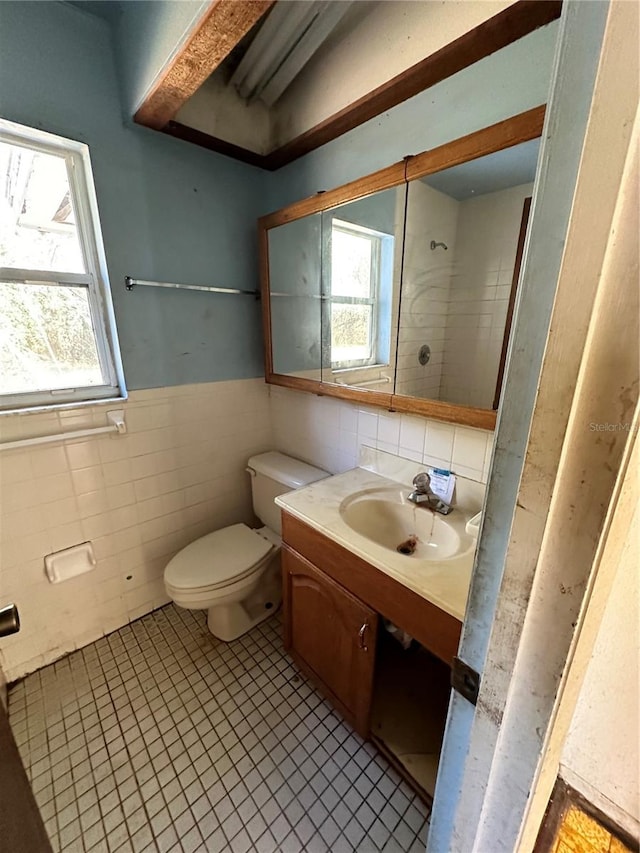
422 482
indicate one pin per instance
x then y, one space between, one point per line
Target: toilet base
231 620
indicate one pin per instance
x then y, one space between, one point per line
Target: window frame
376 239
95 280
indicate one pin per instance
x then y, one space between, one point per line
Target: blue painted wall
169 211
174 212
146 35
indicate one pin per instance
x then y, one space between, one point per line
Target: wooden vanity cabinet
333 602
331 635
432 627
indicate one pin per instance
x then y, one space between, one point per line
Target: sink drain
408 547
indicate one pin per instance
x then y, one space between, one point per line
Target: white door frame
553 477
616 545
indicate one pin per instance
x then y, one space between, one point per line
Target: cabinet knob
361 634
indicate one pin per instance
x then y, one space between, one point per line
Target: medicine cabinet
397 290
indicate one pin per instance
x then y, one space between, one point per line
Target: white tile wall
177 474
485 252
456 300
431 215
327 432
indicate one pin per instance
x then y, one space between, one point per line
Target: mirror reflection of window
361 282
362 244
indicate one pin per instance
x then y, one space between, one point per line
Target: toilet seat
217 560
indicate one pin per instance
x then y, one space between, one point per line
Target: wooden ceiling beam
512 23
224 24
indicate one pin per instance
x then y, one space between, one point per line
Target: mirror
362 247
397 290
464 227
294 251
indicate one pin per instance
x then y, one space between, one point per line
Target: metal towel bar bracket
116 423
130 283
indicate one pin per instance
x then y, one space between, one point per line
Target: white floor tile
160 737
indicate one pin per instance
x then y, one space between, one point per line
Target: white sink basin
386 517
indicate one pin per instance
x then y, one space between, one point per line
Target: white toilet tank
274 474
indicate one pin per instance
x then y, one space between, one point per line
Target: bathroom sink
386 517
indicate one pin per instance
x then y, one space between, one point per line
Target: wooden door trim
524 222
438 631
555 480
563 798
513 23
219 30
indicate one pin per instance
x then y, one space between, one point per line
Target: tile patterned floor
160 738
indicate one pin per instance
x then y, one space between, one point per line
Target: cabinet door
332 637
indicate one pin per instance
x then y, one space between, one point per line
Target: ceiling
270 57
108 10
508 168
270 80
279 46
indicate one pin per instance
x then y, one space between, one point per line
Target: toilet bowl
234 573
222 572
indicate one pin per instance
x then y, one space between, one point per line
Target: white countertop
443 583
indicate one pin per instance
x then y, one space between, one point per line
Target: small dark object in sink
408 546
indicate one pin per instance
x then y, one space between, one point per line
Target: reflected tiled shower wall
426 281
456 299
178 473
478 299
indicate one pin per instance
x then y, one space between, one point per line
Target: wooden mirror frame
505 134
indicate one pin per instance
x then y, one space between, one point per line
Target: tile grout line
159 662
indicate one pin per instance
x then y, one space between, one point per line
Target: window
57 335
361 278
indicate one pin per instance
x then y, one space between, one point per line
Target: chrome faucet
423 496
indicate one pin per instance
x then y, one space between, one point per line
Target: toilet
234 573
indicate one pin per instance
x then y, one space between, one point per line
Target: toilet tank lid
285 469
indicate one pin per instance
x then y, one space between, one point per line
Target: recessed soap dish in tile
62 565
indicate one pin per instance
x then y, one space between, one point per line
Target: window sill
44 408
359 368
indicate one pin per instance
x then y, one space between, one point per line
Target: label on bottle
442 483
